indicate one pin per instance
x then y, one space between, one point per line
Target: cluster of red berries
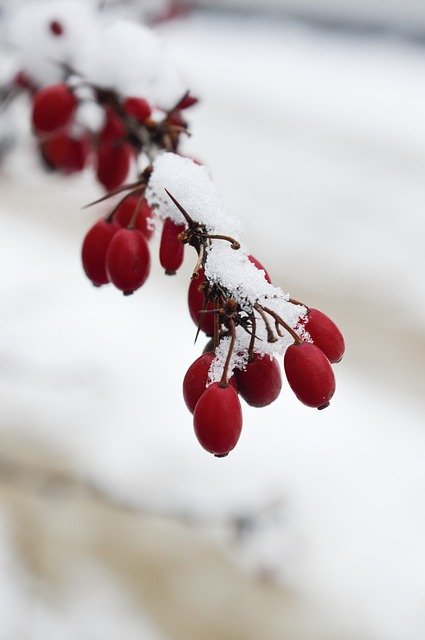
216 409
128 128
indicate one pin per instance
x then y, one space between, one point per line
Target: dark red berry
176 118
209 346
260 266
325 334
56 28
218 419
53 108
95 246
196 378
124 214
260 383
128 260
113 129
66 153
113 164
137 108
309 374
196 301
171 249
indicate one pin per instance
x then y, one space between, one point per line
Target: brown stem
198 265
252 340
224 378
297 302
214 236
216 339
270 335
285 325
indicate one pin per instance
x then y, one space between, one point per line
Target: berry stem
224 378
270 335
233 243
252 340
286 326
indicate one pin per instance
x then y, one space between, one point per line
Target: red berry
128 260
260 383
126 209
113 129
137 108
176 118
66 153
53 108
196 301
171 249
196 378
113 164
309 374
56 28
95 246
218 419
260 267
325 334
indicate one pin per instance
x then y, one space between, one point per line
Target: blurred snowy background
113 521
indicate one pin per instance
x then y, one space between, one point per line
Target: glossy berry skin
128 260
113 164
196 378
196 304
218 419
260 383
309 374
53 108
93 253
260 267
137 108
171 250
66 153
325 335
124 214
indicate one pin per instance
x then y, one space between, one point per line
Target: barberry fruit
171 249
196 302
113 129
56 28
325 334
196 378
128 260
260 382
217 419
113 164
309 374
93 253
53 108
137 108
65 152
125 211
260 267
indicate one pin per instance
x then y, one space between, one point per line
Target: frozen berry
95 246
113 164
113 129
196 302
196 378
137 108
171 249
53 108
128 260
309 374
218 419
325 334
260 382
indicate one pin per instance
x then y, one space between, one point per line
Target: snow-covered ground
318 145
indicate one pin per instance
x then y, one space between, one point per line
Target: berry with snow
171 248
260 382
325 334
